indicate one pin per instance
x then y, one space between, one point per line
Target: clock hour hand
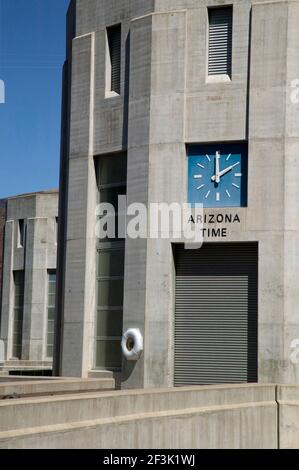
223 172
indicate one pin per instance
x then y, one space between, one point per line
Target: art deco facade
182 101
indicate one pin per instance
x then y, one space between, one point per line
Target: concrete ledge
26 368
31 388
18 364
6 378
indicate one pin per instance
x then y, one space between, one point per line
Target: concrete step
97 374
15 364
48 411
100 374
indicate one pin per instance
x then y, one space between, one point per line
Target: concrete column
2 225
273 182
79 297
156 173
35 290
137 186
8 289
291 198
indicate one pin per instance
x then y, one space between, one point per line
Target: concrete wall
227 416
2 225
288 416
40 211
165 103
236 416
63 185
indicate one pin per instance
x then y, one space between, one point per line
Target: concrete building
29 281
2 225
182 101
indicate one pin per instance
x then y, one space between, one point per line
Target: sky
32 52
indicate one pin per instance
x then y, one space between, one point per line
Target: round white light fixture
132 344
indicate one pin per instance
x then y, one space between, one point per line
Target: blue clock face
218 175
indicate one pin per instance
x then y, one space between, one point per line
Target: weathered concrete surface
288 416
54 387
235 416
228 416
2 353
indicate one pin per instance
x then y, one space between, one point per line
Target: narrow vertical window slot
113 61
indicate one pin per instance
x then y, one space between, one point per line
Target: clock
218 175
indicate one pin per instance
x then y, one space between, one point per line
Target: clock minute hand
217 169
226 170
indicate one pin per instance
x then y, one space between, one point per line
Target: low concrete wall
288 416
231 416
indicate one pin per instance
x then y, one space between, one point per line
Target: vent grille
114 41
220 41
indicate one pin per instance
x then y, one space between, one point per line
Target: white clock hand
226 170
223 172
217 174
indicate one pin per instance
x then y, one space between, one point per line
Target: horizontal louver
216 314
220 41
114 40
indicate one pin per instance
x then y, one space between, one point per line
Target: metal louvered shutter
220 41
114 40
216 314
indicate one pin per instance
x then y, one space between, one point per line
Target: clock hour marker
197 177
201 186
228 157
228 193
208 158
208 193
236 186
238 175
201 166
217 197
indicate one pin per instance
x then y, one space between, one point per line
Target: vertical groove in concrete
277 416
